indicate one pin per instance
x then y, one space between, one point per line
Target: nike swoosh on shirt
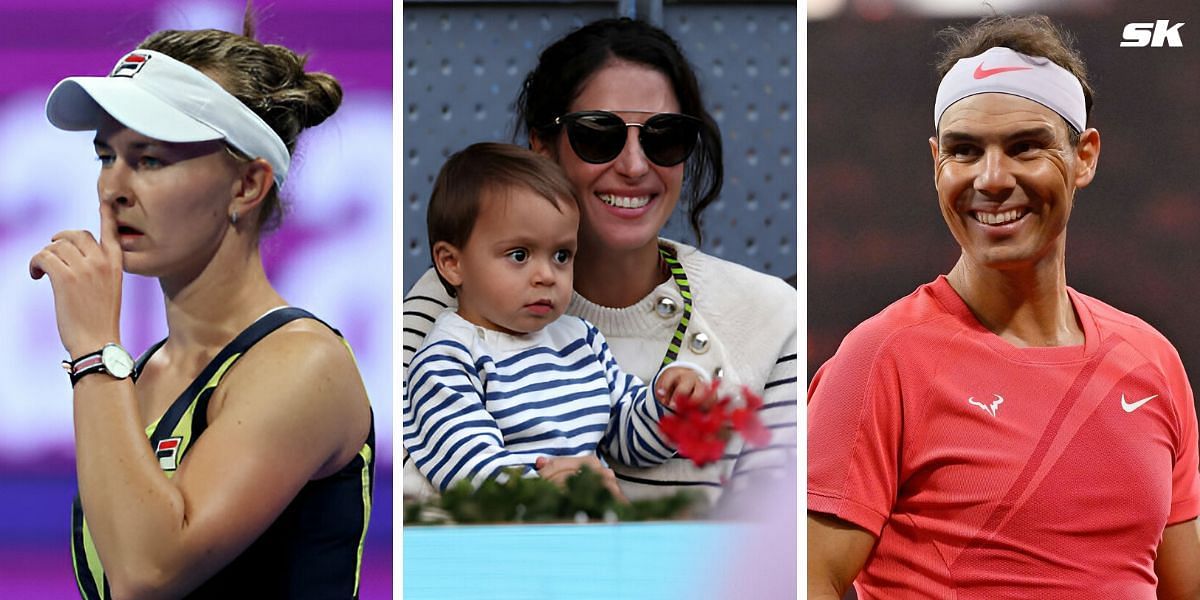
982 73
1130 407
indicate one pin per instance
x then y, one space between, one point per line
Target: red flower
700 426
746 422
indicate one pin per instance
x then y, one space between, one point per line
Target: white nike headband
1006 71
160 97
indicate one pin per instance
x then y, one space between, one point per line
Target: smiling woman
235 458
618 107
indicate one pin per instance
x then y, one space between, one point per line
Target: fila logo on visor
130 65
982 73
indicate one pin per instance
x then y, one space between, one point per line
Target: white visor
1006 71
165 99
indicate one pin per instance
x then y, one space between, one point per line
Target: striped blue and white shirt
479 401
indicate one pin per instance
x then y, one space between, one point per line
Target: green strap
685 290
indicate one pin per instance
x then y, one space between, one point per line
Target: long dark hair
566 65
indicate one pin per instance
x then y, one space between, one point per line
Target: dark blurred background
874 230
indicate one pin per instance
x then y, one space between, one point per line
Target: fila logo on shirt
988 408
167 453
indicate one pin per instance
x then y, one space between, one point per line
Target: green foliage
535 500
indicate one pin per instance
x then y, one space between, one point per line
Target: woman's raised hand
85 276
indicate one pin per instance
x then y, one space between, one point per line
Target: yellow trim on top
75 564
95 569
216 378
212 382
347 345
365 453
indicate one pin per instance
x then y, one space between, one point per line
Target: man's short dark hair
1034 35
487 168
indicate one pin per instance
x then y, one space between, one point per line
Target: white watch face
116 361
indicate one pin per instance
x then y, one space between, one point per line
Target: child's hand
682 381
557 469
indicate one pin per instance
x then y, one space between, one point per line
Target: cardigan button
665 307
699 343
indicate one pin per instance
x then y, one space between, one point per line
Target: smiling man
997 434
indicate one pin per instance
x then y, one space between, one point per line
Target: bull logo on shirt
989 409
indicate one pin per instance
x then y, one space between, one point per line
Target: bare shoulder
300 380
300 354
306 339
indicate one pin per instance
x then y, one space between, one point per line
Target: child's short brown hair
482 168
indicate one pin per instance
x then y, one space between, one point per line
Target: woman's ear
448 261
254 180
541 145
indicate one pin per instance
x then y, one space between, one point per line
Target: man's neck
1025 307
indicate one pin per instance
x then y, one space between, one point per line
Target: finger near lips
108 227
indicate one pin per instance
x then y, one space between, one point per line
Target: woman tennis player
256 479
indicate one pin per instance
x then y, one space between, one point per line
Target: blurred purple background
332 255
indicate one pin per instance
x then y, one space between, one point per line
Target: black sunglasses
598 136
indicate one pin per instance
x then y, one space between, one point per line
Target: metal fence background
463 63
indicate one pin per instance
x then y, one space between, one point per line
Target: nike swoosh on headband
982 73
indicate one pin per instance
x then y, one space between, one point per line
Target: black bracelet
83 366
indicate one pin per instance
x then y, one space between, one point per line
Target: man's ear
448 261
933 149
251 187
1087 155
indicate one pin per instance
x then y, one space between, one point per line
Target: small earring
233 218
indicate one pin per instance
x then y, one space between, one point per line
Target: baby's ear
446 261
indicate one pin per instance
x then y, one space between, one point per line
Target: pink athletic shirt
991 471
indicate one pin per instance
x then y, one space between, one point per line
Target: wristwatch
111 359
